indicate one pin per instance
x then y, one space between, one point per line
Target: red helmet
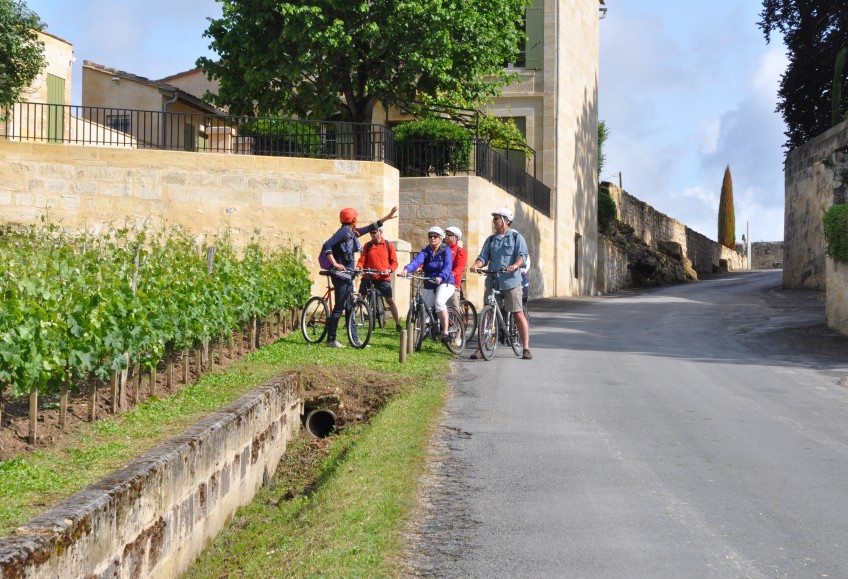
348 215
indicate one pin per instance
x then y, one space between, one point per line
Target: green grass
351 525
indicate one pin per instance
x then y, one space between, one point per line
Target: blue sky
686 88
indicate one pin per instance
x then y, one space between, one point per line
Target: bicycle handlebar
491 271
418 277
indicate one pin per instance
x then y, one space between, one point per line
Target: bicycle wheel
421 329
469 318
456 330
313 320
359 324
487 332
513 337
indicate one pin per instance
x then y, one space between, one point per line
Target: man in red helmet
340 250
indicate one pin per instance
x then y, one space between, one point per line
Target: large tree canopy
21 53
814 32
337 58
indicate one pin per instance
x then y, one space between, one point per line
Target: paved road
698 430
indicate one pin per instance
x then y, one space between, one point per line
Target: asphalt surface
698 430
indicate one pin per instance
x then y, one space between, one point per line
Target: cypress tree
726 217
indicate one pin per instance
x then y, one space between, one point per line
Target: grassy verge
352 525
33 483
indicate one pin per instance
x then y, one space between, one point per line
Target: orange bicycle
316 312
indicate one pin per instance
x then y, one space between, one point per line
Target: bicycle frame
495 324
430 325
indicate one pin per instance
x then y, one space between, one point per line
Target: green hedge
836 231
432 147
607 212
283 137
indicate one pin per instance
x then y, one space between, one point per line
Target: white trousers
440 296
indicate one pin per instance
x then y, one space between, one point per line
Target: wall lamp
603 10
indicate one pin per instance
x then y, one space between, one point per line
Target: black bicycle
375 300
316 312
424 322
468 313
497 325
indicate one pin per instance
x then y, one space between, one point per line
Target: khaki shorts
512 299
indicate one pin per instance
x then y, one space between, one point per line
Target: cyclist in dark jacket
437 261
341 250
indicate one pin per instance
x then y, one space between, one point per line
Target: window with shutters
530 49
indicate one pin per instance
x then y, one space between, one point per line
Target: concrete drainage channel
154 517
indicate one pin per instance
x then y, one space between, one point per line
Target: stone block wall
154 517
613 273
706 255
467 202
836 306
767 255
814 180
291 201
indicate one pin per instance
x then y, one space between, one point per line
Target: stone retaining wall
154 517
657 229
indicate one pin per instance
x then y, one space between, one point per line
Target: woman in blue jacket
437 261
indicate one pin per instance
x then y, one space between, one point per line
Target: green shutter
55 108
535 37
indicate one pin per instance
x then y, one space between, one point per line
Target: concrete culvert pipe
320 422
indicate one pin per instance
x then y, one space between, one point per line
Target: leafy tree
21 53
603 135
814 32
336 59
726 216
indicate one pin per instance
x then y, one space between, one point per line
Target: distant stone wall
767 255
814 180
706 255
613 273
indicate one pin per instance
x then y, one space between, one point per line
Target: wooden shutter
55 108
535 29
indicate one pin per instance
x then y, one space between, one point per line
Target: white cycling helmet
437 230
504 212
455 231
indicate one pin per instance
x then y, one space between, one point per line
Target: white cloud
708 133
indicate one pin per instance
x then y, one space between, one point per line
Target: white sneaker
335 344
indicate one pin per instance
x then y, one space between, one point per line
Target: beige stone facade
559 105
467 203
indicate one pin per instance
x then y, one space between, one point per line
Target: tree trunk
197 368
230 344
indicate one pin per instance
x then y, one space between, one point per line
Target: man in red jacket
460 257
380 254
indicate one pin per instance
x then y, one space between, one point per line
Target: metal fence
209 133
198 132
506 168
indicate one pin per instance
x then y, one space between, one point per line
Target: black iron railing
209 133
199 132
506 168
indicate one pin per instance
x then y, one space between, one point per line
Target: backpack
324 261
